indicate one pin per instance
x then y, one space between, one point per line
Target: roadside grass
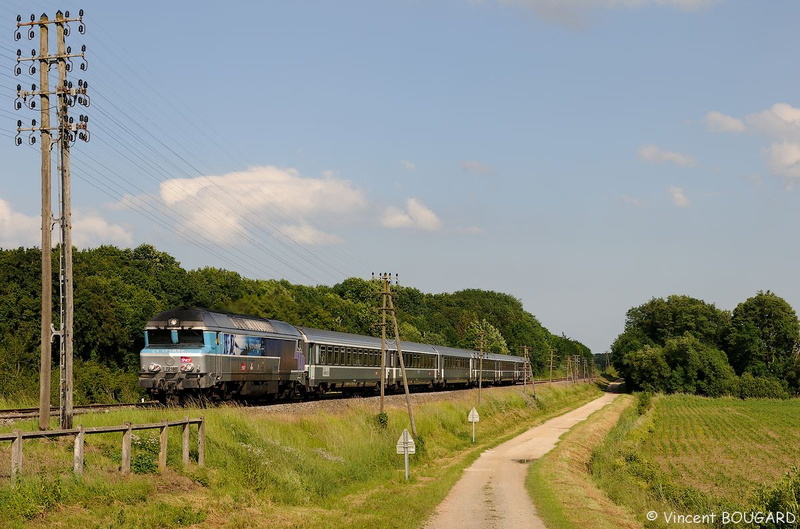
563 491
324 470
694 455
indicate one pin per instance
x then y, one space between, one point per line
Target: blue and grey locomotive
201 353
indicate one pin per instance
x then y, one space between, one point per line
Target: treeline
118 290
685 345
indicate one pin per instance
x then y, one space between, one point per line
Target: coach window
321 354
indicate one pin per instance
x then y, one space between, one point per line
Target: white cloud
718 122
416 216
576 13
784 158
18 229
679 197
654 154
307 234
474 166
781 121
88 229
410 166
631 201
225 207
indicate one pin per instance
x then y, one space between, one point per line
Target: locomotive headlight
154 368
187 368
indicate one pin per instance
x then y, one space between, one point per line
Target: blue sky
582 156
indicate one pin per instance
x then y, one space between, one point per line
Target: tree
647 369
661 319
763 336
697 368
482 335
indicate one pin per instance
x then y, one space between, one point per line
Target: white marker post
473 417
405 446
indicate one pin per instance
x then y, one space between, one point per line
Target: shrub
752 387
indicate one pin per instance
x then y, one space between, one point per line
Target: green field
334 468
695 455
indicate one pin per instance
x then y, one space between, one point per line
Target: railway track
27 413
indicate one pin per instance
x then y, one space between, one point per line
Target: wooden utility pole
551 364
387 295
526 350
67 130
47 230
67 303
402 365
383 343
480 363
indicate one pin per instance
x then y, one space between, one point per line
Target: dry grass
561 485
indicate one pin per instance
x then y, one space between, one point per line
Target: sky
583 156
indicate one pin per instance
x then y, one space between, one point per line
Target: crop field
724 447
698 455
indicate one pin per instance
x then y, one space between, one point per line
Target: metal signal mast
66 133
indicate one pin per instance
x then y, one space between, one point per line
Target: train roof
220 321
357 340
452 351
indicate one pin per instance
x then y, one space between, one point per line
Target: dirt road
492 494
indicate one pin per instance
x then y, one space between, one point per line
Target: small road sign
406 442
473 417
405 446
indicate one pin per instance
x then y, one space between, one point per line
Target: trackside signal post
67 131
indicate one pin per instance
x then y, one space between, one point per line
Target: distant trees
682 344
118 290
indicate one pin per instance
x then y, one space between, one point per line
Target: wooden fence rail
80 433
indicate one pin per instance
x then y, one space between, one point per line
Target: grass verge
561 486
331 469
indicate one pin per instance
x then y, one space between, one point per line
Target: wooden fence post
125 467
201 442
78 452
162 449
16 455
186 442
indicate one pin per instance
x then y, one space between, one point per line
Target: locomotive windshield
179 337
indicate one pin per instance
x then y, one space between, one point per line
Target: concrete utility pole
68 131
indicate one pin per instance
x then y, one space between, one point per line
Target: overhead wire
108 124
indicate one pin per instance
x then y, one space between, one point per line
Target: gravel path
491 493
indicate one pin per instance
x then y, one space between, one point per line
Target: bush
752 387
645 402
783 497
